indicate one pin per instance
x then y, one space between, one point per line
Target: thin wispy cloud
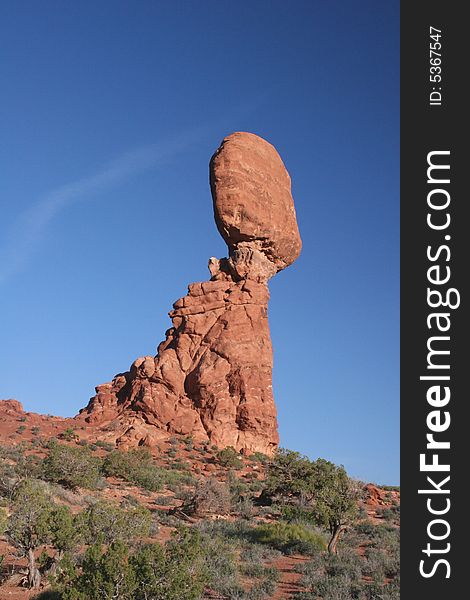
25 235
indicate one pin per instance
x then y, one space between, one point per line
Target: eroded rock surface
212 376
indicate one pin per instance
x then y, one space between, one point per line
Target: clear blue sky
110 113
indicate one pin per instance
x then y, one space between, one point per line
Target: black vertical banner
435 250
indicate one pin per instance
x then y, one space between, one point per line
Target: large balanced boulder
212 376
253 206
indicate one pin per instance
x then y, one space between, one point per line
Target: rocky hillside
251 524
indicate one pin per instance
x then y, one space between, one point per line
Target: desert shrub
164 517
259 457
103 575
164 500
244 507
210 496
180 465
108 523
72 467
333 576
35 430
255 486
10 453
290 537
380 564
337 588
135 466
8 480
229 457
178 477
104 445
264 589
220 564
237 486
28 466
130 500
175 571
188 442
387 537
231 530
68 435
64 534
257 554
346 564
391 514
14 468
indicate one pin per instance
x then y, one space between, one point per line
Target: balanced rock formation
212 376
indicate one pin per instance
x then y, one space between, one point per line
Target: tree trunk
34 577
337 530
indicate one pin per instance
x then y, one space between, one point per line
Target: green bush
221 564
229 457
104 575
108 523
104 445
175 571
72 467
259 457
64 533
290 537
68 435
135 466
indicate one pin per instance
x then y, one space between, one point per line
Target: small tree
108 523
135 466
29 524
64 532
104 575
72 467
174 572
321 488
291 475
335 502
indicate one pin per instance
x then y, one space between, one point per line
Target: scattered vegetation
93 522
